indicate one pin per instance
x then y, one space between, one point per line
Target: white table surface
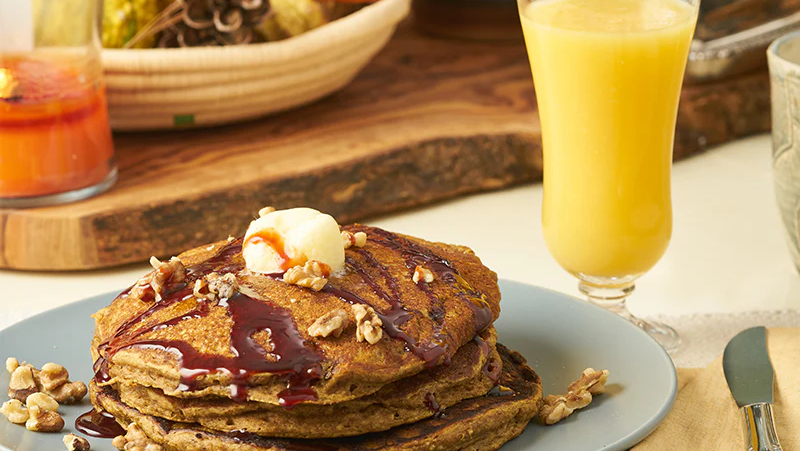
727 253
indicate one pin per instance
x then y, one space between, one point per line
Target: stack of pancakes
244 373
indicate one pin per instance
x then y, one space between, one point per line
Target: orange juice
608 75
54 129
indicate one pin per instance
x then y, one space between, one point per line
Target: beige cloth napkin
705 416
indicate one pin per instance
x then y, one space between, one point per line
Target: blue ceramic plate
559 335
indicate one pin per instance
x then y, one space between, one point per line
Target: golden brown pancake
478 424
473 372
177 343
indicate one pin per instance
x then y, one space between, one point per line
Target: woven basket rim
367 20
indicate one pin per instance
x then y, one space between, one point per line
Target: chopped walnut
556 408
75 443
368 324
592 381
135 440
265 211
42 401
44 420
331 323
358 239
52 380
22 384
163 272
15 411
423 274
215 285
53 376
69 393
313 274
11 364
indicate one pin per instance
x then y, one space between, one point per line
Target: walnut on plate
52 380
42 420
75 443
558 407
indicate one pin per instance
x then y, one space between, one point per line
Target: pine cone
216 22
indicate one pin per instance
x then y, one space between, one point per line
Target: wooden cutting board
428 120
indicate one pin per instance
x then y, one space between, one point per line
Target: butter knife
750 378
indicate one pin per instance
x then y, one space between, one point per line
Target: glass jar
55 139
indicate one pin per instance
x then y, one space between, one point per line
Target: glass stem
611 298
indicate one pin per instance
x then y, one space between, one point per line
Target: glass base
61 198
612 296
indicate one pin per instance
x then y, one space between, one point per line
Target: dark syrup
490 369
98 425
289 355
433 405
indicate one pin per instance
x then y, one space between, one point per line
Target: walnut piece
163 272
75 443
15 411
42 401
22 384
265 211
423 274
368 324
558 407
52 380
135 440
53 376
216 285
69 393
44 420
592 381
331 323
313 274
358 239
11 364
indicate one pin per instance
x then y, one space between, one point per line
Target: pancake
424 325
473 372
478 424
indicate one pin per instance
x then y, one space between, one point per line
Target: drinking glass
608 76
55 139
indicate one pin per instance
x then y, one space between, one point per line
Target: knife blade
750 378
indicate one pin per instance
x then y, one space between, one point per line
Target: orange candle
54 129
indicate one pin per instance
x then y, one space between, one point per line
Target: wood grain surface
428 120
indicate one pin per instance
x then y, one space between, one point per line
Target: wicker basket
171 88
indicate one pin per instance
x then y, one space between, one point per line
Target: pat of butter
282 239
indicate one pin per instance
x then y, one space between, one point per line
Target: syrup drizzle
289 357
433 352
433 405
98 425
490 369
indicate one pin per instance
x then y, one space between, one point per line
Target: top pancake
429 322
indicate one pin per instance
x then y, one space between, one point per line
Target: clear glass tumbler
608 76
55 139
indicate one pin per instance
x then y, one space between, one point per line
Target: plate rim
621 444
638 435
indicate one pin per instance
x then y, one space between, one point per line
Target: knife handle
759 428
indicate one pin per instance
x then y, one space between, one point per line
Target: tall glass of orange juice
608 76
